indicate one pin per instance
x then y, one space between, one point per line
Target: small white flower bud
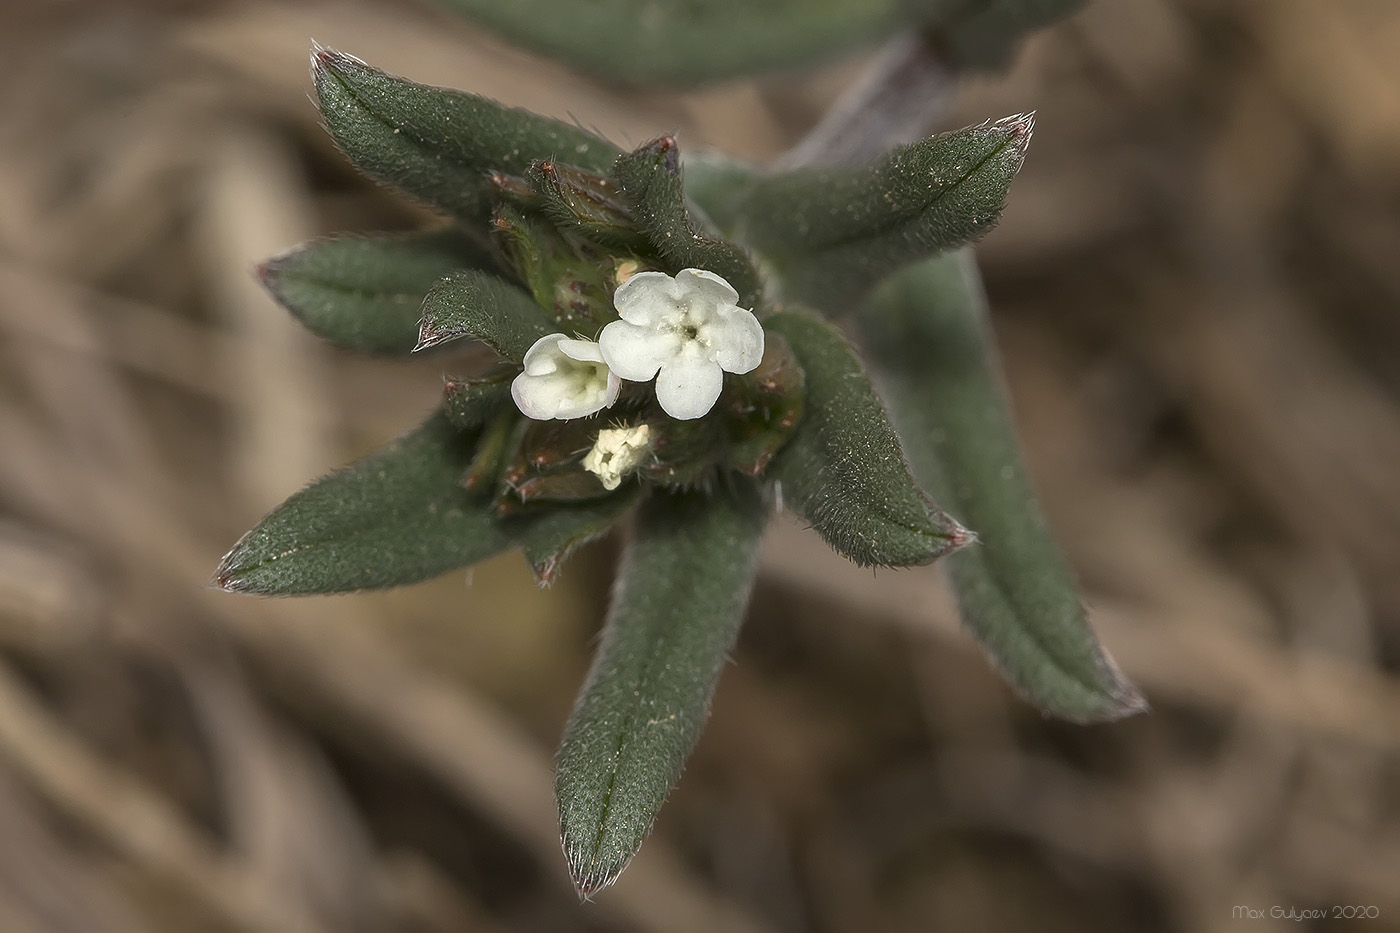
617 452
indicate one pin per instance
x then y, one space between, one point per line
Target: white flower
616 452
686 332
564 378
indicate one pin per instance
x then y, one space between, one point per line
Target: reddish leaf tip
226 579
428 336
325 58
1018 127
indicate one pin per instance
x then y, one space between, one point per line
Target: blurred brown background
1196 286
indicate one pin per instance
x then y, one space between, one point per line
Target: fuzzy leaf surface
364 292
929 346
683 587
650 180
552 538
843 470
835 232
477 304
396 517
435 143
683 42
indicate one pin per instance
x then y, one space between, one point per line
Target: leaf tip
546 570
228 576
956 536
667 151
270 273
1125 699
1018 129
325 59
266 273
430 336
591 873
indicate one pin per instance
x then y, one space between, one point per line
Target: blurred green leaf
717 184
843 470
682 41
683 587
396 517
364 292
928 345
554 536
650 180
986 34
435 143
475 304
834 232
470 403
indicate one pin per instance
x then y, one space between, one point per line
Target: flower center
687 325
585 379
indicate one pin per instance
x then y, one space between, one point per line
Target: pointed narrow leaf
843 469
364 292
835 232
650 180
475 304
396 517
930 349
552 538
435 143
683 587
684 42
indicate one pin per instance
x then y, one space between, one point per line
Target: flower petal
610 394
564 378
542 357
646 297
705 288
634 351
737 338
584 350
688 387
539 396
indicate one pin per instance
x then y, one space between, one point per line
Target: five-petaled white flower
564 378
686 332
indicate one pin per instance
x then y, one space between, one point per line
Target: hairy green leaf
549 540
584 203
476 304
364 292
929 347
650 180
682 41
834 232
683 587
396 517
843 470
435 143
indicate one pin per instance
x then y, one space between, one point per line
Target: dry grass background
1196 287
